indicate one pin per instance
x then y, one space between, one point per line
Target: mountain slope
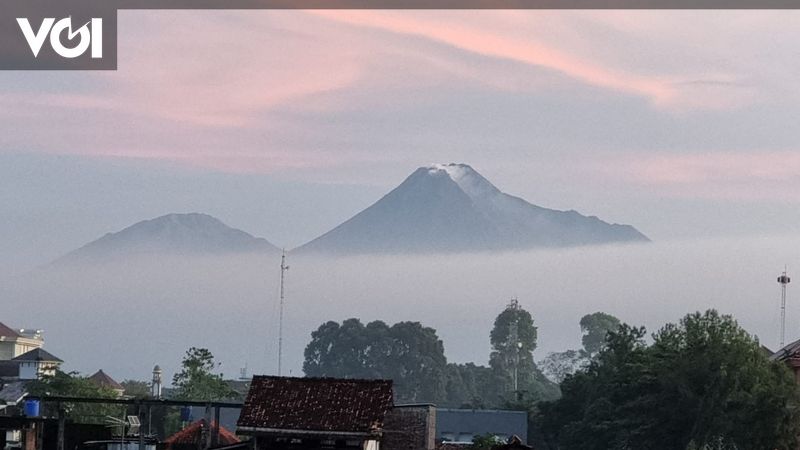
191 234
453 208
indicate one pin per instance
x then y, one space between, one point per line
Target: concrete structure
16 342
462 425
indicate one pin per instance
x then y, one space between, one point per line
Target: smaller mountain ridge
171 234
453 208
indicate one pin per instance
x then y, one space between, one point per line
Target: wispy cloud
492 43
249 95
756 175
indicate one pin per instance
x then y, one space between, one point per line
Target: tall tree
407 352
703 382
513 340
196 379
595 327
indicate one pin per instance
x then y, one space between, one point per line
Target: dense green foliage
73 385
594 327
413 357
703 383
406 352
196 380
513 340
485 442
136 388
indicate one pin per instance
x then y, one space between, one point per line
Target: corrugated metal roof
12 392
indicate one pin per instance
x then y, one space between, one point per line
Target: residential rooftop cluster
278 413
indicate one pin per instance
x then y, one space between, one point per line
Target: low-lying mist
127 317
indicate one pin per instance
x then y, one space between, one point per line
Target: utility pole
514 343
284 268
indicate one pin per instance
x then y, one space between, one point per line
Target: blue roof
464 424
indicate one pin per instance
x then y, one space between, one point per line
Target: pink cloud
501 45
754 175
234 99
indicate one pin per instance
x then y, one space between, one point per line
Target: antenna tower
284 268
783 280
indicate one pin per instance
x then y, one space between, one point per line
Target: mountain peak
453 208
468 179
175 233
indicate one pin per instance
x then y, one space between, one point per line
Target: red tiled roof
102 379
316 404
193 433
8 332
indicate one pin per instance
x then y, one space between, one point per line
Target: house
283 413
194 437
37 363
102 380
14 343
462 425
790 355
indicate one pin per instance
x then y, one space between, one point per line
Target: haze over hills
171 234
452 208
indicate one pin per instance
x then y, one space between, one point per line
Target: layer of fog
125 318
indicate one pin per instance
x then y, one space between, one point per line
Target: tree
557 365
468 386
513 340
703 383
408 353
595 327
485 442
136 388
73 385
196 381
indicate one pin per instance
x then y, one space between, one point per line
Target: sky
286 123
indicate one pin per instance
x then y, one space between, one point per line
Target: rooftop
329 405
8 332
37 354
192 433
102 379
12 392
789 350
